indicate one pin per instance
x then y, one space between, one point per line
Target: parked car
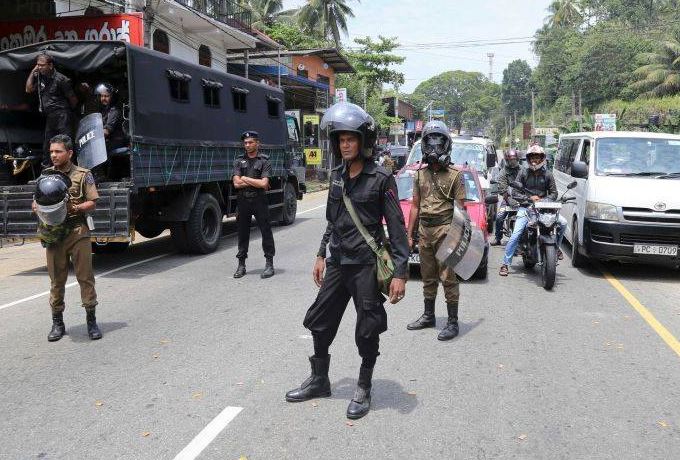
627 205
474 205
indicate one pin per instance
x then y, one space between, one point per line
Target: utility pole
533 114
278 66
490 56
364 88
580 113
573 104
396 110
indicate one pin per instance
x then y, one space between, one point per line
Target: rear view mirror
572 185
579 170
491 199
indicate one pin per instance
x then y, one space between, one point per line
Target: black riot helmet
436 143
348 117
52 188
511 158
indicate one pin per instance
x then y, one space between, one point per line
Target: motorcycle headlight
601 211
547 219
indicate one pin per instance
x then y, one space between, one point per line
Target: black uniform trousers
247 208
57 122
341 283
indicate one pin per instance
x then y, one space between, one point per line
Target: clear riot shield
463 247
90 142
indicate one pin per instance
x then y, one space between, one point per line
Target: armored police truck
182 124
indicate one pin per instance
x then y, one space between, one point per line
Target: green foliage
265 13
373 61
516 87
458 92
635 114
659 74
326 17
293 38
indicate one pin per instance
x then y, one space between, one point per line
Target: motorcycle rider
537 180
506 177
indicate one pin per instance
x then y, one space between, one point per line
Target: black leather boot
317 385
268 268
241 269
58 327
361 402
427 319
451 329
92 328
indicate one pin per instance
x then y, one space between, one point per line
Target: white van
628 196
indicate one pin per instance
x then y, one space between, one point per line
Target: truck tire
578 260
204 227
178 235
289 208
149 228
115 247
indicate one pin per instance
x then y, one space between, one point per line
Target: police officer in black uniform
56 98
251 179
350 271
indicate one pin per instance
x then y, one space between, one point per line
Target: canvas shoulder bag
384 263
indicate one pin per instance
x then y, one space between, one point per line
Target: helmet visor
345 116
52 214
434 143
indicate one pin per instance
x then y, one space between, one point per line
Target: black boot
317 385
58 328
427 319
451 329
241 269
268 268
92 328
361 402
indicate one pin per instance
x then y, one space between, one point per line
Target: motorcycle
538 245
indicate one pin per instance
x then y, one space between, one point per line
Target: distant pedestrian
251 180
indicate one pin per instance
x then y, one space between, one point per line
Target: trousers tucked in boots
361 402
317 385
451 329
427 319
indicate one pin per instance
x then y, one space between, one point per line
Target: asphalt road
587 371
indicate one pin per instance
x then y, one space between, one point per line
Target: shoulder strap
355 218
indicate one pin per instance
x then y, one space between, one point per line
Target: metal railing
226 11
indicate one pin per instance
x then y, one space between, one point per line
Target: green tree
660 73
291 37
266 13
373 61
565 13
455 92
516 87
327 16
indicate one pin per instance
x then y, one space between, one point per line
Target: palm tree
327 16
660 73
266 12
565 13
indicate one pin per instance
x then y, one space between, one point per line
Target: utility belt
436 221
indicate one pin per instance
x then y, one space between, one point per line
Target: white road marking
75 283
208 434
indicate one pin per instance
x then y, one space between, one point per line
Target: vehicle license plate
655 250
414 259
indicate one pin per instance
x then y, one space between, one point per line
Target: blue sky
445 21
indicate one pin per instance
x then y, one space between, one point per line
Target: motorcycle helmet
536 150
51 197
348 117
511 158
436 143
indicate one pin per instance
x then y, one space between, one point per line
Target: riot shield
463 247
90 141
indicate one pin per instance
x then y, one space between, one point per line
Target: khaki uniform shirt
438 190
82 188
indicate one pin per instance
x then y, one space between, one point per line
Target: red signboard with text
123 27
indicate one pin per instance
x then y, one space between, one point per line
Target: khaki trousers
431 270
76 246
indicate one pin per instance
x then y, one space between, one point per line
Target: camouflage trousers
432 271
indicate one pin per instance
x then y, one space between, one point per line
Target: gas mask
435 149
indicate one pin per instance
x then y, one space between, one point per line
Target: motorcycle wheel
549 266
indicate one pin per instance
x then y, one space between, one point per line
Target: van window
585 151
566 154
633 156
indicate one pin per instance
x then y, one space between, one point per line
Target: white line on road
75 283
208 434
